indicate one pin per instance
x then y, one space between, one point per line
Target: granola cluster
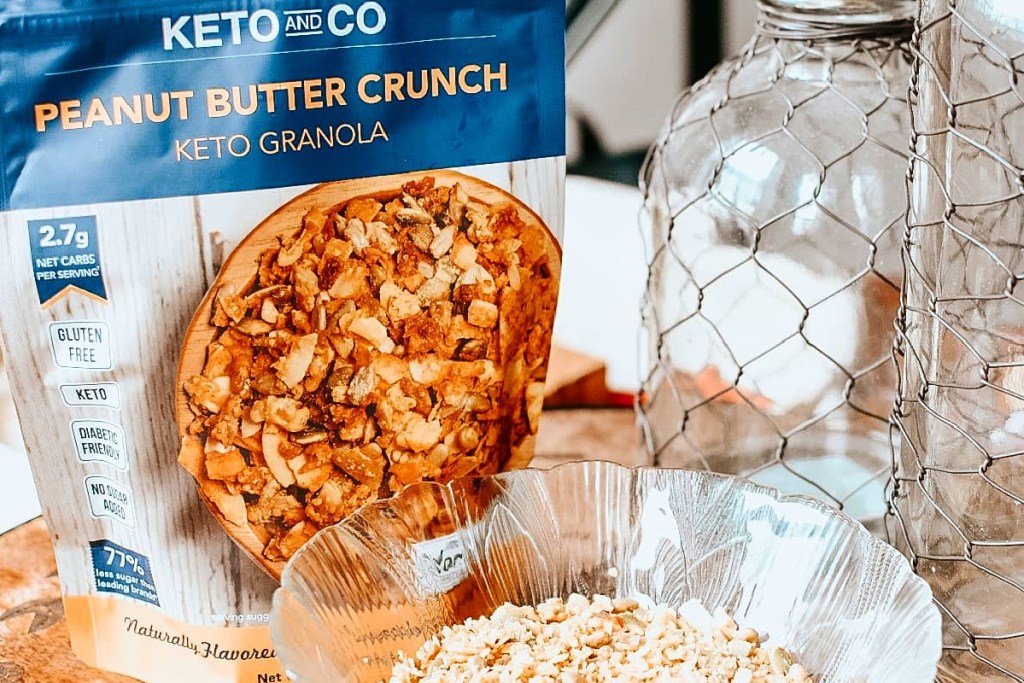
597 640
390 340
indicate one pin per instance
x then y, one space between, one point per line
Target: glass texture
957 500
842 600
835 18
775 202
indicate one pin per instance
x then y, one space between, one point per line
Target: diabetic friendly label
65 258
109 499
100 441
99 395
440 563
82 345
117 569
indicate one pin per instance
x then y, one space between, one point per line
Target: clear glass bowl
394 573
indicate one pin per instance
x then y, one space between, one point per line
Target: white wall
626 79
629 75
739 23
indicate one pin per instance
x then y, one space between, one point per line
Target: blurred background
628 62
624 79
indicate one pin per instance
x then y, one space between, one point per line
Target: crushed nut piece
596 640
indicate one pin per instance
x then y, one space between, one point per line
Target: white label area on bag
100 441
440 563
100 395
109 499
82 345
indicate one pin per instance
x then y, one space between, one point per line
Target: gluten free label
100 441
82 345
110 500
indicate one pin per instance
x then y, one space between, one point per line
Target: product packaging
263 263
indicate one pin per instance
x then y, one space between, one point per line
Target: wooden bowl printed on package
509 336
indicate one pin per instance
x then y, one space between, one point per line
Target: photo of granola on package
368 335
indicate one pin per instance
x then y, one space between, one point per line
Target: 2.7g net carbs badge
65 255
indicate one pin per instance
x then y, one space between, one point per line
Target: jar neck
835 19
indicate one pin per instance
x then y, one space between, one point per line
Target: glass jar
957 499
774 209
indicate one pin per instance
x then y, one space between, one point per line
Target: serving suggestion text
269 98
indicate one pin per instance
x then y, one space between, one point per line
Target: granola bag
265 262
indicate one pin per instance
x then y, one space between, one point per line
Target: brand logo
215 29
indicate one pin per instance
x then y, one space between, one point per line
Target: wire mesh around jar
957 496
774 209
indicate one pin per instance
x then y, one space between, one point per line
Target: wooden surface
34 644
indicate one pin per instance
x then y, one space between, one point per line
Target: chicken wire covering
774 210
957 495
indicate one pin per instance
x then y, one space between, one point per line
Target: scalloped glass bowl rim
856 529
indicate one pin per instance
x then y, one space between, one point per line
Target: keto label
98 395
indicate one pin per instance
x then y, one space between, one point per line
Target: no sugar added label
110 500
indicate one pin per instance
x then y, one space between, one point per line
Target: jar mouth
835 19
